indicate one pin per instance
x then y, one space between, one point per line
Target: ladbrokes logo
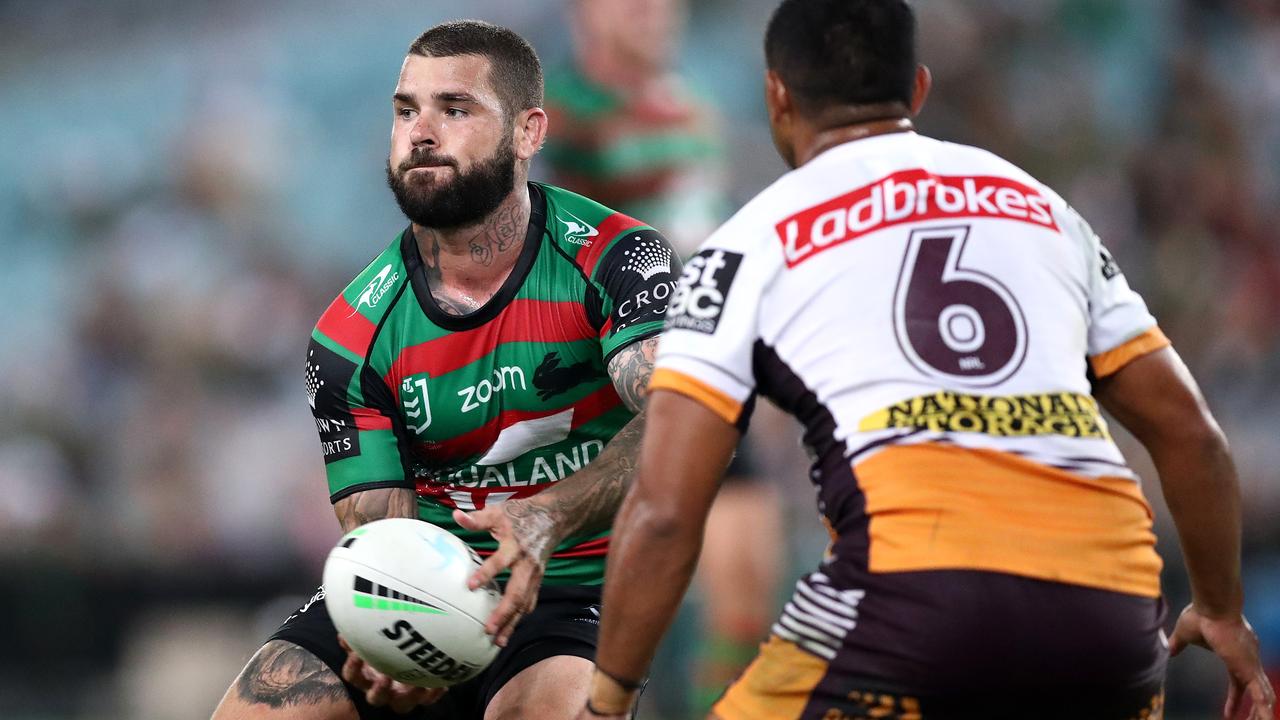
1059 413
908 196
699 299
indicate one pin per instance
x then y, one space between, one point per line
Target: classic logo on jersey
904 197
327 377
1062 413
551 378
704 285
376 289
648 257
504 378
577 230
415 403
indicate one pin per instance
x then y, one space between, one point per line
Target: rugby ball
397 592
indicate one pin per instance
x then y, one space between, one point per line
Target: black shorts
566 621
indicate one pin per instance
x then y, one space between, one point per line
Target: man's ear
920 90
530 130
777 99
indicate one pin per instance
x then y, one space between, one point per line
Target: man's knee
552 688
285 682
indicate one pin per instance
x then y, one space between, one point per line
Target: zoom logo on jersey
704 286
504 378
377 287
908 196
327 377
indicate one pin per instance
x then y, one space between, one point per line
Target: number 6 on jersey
954 323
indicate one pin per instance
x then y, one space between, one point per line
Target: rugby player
633 134
947 329
478 375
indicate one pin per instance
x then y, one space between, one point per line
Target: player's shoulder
351 319
588 231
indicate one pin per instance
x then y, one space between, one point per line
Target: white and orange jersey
931 314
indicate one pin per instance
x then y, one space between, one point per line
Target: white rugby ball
397 591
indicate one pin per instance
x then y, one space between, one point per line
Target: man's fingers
379 691
500 560
1263 696
478 520
519 600
1233 698
405 698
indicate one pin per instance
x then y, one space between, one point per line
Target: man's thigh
552 688
285 682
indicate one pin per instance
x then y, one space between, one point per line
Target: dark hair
843 52
514 70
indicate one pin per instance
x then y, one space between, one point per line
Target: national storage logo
1060 413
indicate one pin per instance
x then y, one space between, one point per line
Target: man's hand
1233 640
586 714
380 690
526 535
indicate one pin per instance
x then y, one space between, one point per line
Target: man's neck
470 263
844 128
608 69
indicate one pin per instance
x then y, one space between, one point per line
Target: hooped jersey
503 402
932 315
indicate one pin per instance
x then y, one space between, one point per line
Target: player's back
930 313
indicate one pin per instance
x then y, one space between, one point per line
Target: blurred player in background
629 132
946 327
479 374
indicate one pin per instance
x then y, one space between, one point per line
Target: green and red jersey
500 403
656 154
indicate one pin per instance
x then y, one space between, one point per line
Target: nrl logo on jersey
577 231
415 406
377 287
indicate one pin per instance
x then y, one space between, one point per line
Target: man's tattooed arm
630 370
587 500
369 505
282 674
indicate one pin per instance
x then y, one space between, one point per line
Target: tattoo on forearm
283 674
631 369
369 505
587 500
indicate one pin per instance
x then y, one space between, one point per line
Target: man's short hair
514 69
843 52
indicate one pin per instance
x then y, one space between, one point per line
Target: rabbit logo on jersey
704 285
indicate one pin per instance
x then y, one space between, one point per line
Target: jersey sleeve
1121 329
712 326
355 415
637 277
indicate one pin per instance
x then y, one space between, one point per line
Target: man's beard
462 201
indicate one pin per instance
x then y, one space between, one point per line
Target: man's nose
424 132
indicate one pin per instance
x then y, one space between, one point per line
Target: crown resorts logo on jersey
577 230
904 197
648 257
377 287
704 286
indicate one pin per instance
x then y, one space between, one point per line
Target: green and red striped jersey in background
500 403
655 154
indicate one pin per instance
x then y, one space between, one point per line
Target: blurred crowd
183 188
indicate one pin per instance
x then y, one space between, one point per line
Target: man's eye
405 113
455 113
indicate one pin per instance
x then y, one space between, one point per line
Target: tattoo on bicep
282 674
631 369
369 505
